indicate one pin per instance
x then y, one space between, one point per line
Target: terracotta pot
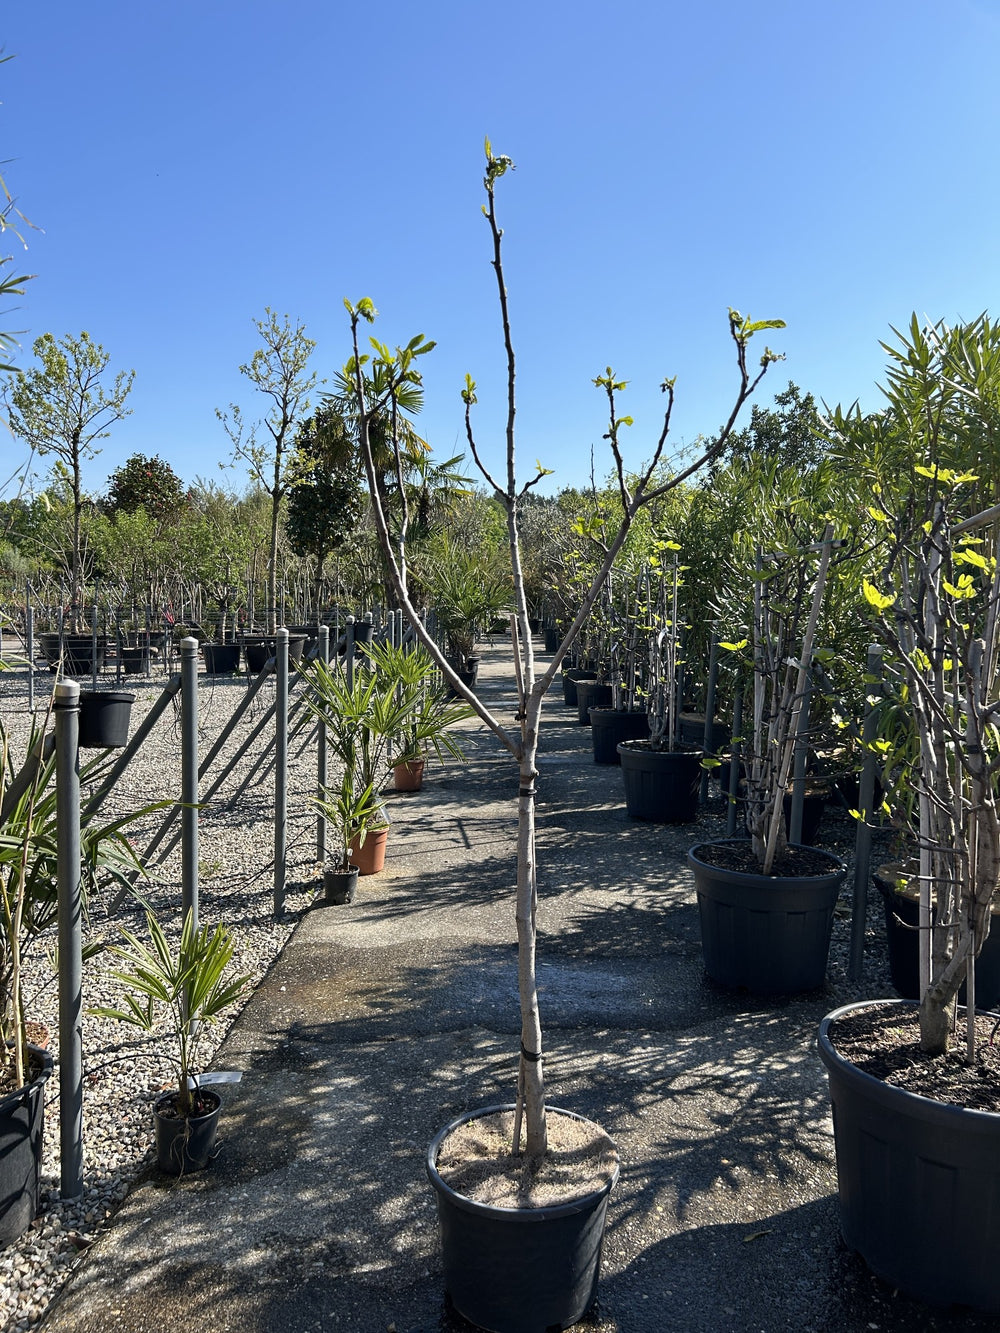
370 856
409 775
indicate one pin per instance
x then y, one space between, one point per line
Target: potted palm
551 1248
179 990
915 1087
349 816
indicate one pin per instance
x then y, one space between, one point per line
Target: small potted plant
180 990
349 815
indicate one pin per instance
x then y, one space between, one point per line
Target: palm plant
186 987
349 815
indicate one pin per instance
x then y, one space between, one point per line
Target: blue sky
189 164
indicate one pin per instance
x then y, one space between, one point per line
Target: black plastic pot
611 726
591 694
569 679
104 718
692 732
185 1143
135 661
22 1124
221 659
902 918
551 638
259 649
919 1182
339 886
78 652
768 934
661 786
518 1270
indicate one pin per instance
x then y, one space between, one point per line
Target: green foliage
350 814
466 589
146 483
187 988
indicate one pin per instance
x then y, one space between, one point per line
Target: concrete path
384 1019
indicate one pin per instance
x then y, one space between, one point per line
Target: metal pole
323 655
93 645
189 779
349 653
29 634
866 801
70 935
708 743
735 761
280 772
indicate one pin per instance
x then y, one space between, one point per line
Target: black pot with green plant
179 990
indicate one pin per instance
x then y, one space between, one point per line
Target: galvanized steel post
323 654
708 743
70 935
735 761
29 635
280 772
189 779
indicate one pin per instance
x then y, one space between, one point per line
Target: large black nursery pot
22 1124
221 659
569 681
611 726
918 1179
768 934
902 920
591 694
258 649
104 718
135 661
78 652
185 1143
661 786
519 1270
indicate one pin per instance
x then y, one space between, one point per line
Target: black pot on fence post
661 786
104 718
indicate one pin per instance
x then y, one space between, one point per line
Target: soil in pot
185 1143
339 886
521 1253
767 934
661 786
918 1153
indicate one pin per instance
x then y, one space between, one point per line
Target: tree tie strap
532 1056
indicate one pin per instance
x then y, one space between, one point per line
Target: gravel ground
123 1071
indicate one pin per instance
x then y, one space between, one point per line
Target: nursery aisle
383 1019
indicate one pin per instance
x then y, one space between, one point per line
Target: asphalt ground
384 1019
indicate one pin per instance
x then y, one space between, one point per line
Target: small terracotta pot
370 856
409 775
